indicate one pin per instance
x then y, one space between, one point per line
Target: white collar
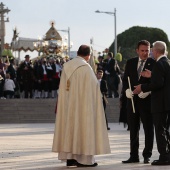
141 60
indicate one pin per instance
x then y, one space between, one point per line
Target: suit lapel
136 67
147 64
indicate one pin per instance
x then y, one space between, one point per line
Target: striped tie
140 67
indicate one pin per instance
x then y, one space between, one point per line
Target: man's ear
137 51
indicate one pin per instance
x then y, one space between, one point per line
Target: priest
80 129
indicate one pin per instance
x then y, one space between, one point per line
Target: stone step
42 110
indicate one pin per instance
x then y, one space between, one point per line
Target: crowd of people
38 79
41 78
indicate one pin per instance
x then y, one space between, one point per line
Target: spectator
112 70
9 87
1 87
56 76
27 77
103 89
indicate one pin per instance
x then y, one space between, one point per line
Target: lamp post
68 31
2 24
113 14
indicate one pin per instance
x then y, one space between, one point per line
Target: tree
128 40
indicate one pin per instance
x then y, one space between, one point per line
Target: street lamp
113 14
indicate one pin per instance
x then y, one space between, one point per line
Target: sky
33 17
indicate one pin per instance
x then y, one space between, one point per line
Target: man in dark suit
101 66
160 100
103 89
44 75
112 70
26 77
141 103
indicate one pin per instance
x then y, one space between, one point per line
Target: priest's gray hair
160 46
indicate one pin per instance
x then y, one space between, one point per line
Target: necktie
140 67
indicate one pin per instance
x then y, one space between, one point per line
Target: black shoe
71 162
146 161
108 128
131 160
158 162
82 165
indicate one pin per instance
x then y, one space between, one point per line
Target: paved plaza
28 147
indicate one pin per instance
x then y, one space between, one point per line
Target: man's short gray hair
160 46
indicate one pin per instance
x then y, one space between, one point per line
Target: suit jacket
11 71
26 75
103 87
131 71
112 67
40 72
160 86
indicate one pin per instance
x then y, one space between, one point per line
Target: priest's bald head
84 51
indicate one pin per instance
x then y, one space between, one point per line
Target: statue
15 34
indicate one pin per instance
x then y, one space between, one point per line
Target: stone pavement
28 147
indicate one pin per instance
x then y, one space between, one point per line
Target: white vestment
80 129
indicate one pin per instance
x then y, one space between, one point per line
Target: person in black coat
43 76
26 77
142 103
112 71
123 110
13 75
103 89
101 66
11 70
160 100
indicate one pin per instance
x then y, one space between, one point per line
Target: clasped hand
147 74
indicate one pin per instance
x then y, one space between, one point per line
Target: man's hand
143 95
107 72
129 94
146 73
137 89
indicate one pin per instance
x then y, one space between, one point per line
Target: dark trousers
45 85
112 86
55 84
28 87
162 134
168 122
9 94
1 87
104 106
134 125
